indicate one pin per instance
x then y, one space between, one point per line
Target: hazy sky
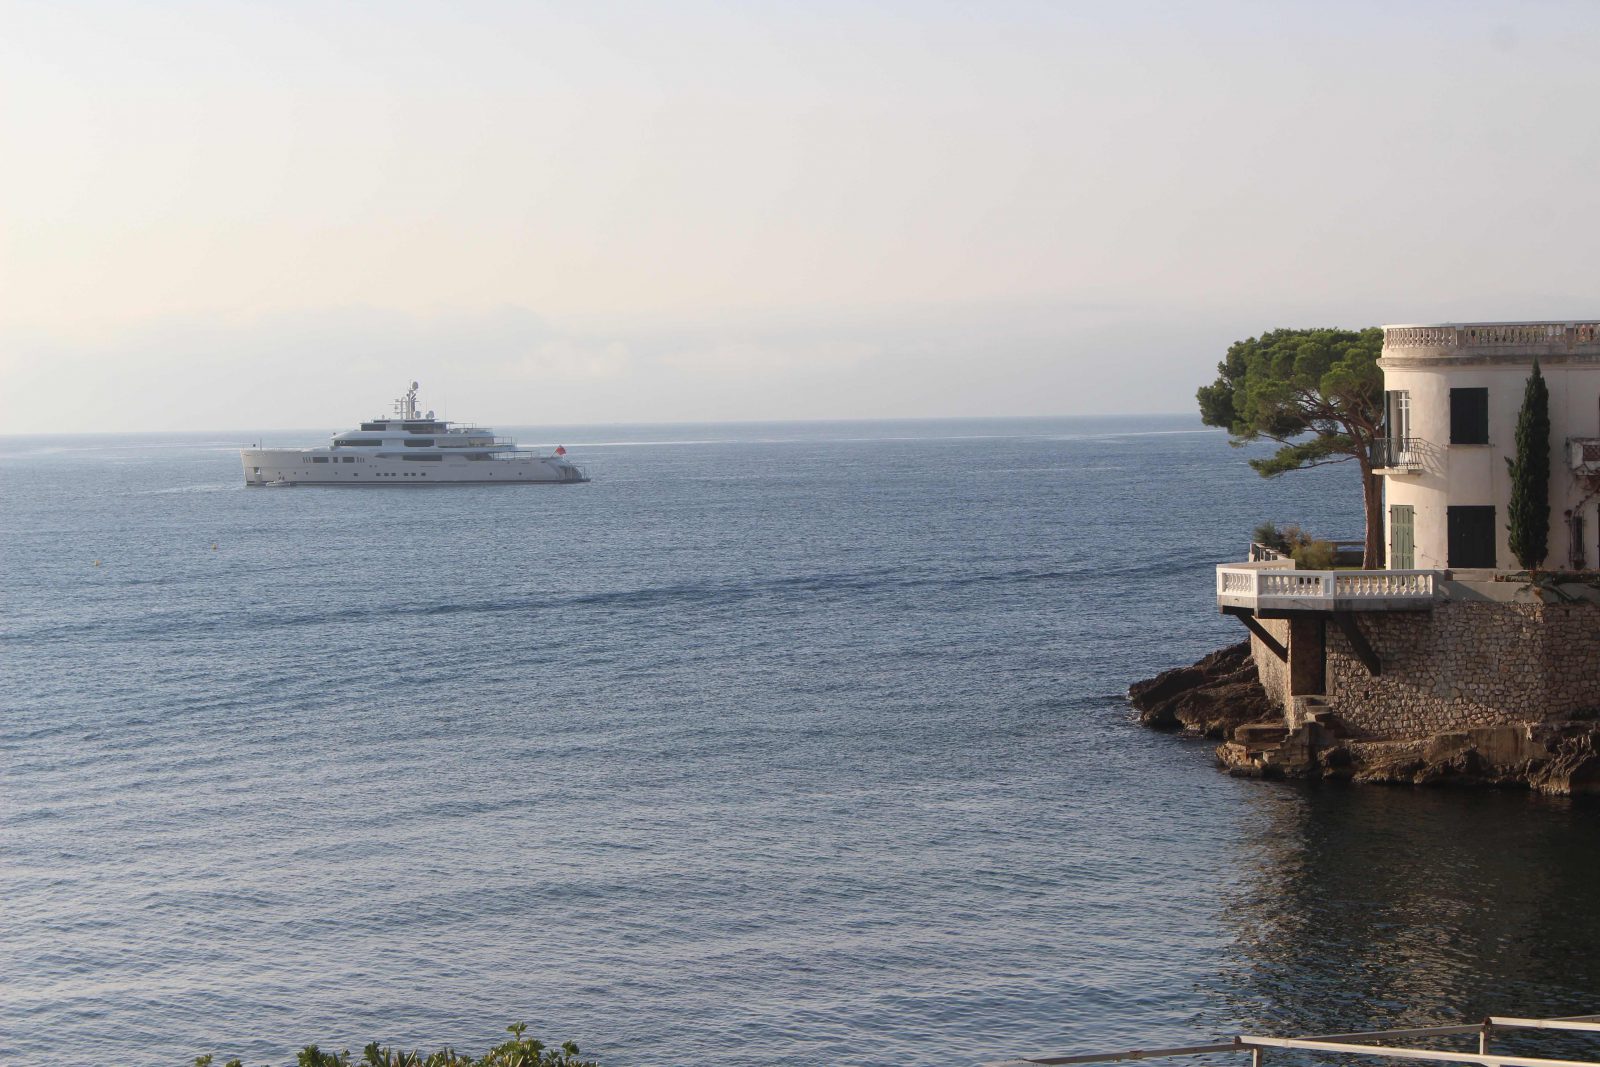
218 216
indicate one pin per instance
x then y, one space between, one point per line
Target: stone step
1260 733
1328 723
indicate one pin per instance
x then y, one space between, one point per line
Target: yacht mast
406 406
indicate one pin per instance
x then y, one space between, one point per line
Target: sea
795 743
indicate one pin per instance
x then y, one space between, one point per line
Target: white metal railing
1283 583
1377 1044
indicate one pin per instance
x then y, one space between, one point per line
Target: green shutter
1402 538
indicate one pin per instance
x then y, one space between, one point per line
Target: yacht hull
326 467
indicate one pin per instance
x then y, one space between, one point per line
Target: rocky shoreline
1221 697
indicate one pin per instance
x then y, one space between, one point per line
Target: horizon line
642 423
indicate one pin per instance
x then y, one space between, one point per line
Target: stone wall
1273 672
1464 665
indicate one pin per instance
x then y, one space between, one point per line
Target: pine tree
1529 525
1318 394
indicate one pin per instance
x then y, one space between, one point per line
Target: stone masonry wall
1273 672
1465 664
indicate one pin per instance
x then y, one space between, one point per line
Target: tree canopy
1318 393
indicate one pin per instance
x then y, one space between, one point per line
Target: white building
1452 394
1413 652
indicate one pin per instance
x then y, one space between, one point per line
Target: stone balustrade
1284 588
1496 335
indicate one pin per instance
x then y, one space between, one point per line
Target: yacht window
372 426
358 443
420 444
423 459
319 459
349 459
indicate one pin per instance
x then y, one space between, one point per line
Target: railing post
1329 580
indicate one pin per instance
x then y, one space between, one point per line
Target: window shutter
1469 416
1469 531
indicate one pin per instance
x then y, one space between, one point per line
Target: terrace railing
1287 588
1493 334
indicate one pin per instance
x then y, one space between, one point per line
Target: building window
1469 416
1470 535
1397 415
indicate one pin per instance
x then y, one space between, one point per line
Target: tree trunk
1372 554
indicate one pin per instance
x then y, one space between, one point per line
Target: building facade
1452 394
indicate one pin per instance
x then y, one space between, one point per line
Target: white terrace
1276 585
1276 589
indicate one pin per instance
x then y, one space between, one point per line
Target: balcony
1583 454
1397 455
1275 587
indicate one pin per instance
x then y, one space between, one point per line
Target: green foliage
520 1051
1269 535
1529 515
1287 539
1288 385
1317 393
1314 556
1308 552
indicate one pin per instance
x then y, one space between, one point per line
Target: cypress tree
1529 525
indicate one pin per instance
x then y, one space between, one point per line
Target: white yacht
410 448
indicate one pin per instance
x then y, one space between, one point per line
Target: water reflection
1372 907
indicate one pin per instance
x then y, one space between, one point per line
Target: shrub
1268 534
518 1052
1289 539
1314 555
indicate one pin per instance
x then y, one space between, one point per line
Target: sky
273 215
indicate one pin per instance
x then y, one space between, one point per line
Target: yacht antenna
406 406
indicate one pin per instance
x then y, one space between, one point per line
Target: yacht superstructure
409 448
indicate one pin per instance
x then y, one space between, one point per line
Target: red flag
560 451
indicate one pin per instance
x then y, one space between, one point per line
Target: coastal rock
1559 759
1221 697
1210 697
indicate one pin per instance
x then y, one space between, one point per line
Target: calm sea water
775 744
